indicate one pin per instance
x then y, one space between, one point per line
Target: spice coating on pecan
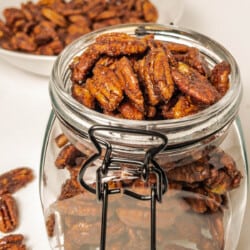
8 213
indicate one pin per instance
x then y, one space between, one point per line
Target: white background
25 106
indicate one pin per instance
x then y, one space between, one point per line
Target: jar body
186 217
113 186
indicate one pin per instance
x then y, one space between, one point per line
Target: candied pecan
110 13
12 15
21 41
6 31
83 20
194 59
129 111
160 73
220 183
50 224
32 11
54 17
194 172
70 189
13 180
177 47
83 95
183 107
202 201
44 32
12 242
73 32
130 82
61 140
105 87
94 8
76 17
192 83
117 44
52 48
224 175
67 156
81 66
143 71
220 77
149 11
8 213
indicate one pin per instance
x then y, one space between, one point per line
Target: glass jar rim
182 130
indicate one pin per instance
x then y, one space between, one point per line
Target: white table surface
25 107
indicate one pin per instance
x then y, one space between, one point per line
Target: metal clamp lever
145 168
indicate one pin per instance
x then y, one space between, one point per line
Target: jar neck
181 131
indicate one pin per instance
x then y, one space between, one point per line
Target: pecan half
220 77
13 180
192 83
130 83
106 88
50 224
12 242
8 213
61 140
67 156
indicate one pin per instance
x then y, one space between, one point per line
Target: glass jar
120 184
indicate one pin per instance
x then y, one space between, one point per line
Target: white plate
170 11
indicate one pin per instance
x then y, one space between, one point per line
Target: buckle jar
122 184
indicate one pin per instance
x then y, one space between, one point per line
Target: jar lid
182 131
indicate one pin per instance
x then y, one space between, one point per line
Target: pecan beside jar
12 242
13 180
8 213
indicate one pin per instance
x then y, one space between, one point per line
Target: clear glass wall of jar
204 162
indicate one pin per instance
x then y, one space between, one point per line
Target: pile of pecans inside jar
10 183
146 79
192 210
46 27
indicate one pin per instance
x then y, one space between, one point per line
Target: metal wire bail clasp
110 163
